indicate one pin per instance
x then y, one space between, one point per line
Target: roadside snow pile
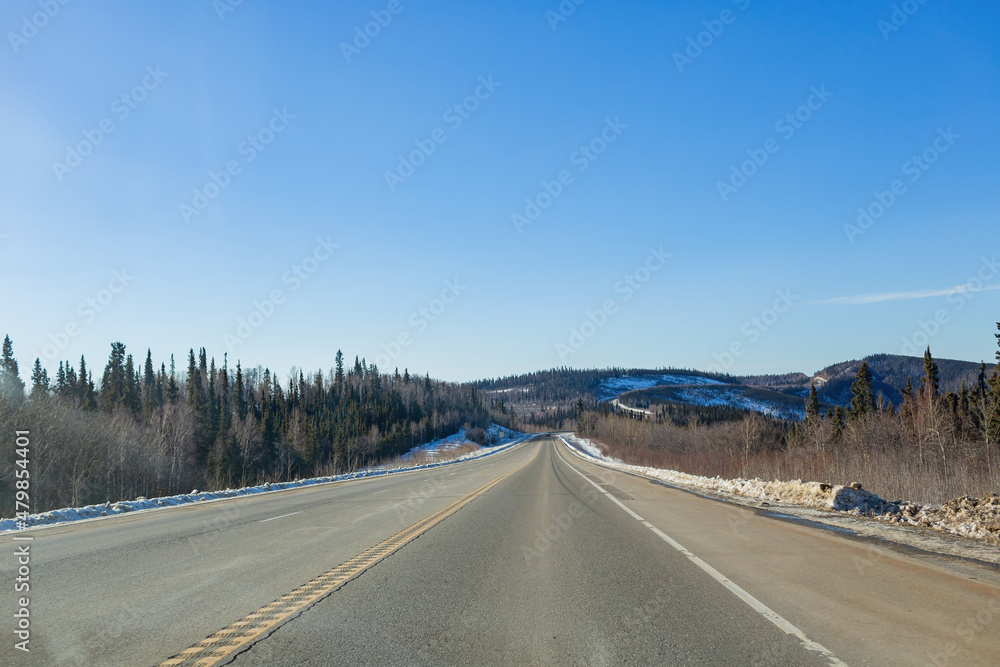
511 439
968 517
978 518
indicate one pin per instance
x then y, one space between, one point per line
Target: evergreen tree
239 393
84 387
339 375
148 385
930 381
10 380
993 401
173 391
115 383
193 383
61 380
88 400
161 383
39 380
862 393
133 395
812 406
838 423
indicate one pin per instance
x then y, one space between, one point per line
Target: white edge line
756 604
279 517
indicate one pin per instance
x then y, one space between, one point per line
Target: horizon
328 370
726 186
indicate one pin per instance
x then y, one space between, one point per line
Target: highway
531 556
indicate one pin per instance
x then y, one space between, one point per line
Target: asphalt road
561 562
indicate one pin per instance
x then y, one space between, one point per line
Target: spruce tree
61 380
88 399
10 380
239 395
862 393
115 383
997 335
81 383
193 383
838 423
993 401
931 375
148 385
39 380
338 377
173 391
812 406
133 396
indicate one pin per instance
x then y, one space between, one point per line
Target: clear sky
621 122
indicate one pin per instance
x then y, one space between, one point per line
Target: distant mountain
890 371
783 395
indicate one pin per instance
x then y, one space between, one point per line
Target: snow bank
506 441
968 517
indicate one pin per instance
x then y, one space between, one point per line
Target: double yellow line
230 640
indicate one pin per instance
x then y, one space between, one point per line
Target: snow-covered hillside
614 387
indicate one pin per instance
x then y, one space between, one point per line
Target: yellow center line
235 637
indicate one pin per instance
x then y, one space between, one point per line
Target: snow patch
613 387
496 435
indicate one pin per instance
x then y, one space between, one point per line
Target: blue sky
765 269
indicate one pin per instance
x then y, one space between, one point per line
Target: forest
933 447
143 429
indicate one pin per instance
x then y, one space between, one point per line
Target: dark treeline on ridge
934 446
151 430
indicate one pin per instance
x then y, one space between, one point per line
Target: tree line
932 447
148 430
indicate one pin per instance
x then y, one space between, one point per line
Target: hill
551 396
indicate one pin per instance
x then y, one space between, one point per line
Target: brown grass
865 453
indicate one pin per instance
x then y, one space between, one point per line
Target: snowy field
504 439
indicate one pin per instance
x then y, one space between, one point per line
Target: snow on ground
968 517
495 435
613 387
737 398
714 395
502 438
638 411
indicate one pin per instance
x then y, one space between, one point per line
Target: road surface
531 556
